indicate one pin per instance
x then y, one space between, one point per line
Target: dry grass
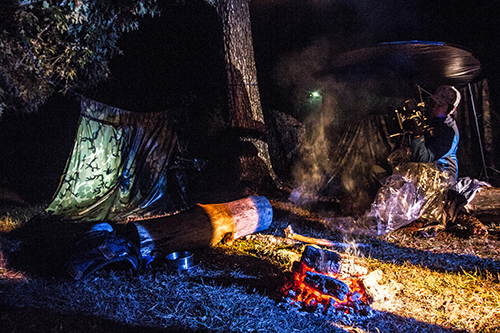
7 223
457 300
11 216
440 284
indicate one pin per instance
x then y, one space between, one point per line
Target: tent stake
478 133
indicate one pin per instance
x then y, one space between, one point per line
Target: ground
446 283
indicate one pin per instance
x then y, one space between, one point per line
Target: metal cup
180 261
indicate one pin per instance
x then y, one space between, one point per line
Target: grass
461 300
11 217
441 284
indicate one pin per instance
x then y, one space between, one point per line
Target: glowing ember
311 290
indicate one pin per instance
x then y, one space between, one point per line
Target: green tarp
124 164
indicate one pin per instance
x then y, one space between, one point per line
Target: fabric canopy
123 164
429 64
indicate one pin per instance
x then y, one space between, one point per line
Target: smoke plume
326 100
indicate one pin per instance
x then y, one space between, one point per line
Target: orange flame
306 296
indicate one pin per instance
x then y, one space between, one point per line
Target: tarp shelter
123 164
399 69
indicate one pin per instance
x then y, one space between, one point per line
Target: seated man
440 142
438 145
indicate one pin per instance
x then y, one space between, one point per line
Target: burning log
330 293
323 285
326 261
320 260
327 285
208 225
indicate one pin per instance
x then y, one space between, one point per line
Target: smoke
297 73
326 101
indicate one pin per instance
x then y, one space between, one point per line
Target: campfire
319 283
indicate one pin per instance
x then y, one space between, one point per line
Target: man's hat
446 95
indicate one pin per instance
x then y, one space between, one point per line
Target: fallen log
209 224
486 203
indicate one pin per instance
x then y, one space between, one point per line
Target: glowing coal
317 283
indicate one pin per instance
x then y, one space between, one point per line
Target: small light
315 94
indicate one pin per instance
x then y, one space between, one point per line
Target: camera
411 117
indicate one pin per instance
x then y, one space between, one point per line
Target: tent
123 164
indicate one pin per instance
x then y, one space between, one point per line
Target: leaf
57 36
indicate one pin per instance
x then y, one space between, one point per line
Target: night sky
288 27
174 61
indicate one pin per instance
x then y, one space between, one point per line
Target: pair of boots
454 219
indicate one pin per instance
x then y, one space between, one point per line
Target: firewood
326 261
321 260
318 241
290 234
327 285
473 225
486 201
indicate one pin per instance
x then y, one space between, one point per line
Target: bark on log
486 201
208 225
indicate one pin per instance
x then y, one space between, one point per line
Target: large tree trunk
244 98
245 110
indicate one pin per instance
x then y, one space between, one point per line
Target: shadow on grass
389 322
34 320
255 274
263 277
438 261
41 248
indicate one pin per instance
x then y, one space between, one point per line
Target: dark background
175 61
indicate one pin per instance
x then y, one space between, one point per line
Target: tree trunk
244 98
245 110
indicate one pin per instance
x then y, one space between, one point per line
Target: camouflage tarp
123 164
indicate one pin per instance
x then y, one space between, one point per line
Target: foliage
60 45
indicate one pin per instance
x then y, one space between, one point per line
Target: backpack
102 249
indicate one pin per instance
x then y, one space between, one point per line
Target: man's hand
413 128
